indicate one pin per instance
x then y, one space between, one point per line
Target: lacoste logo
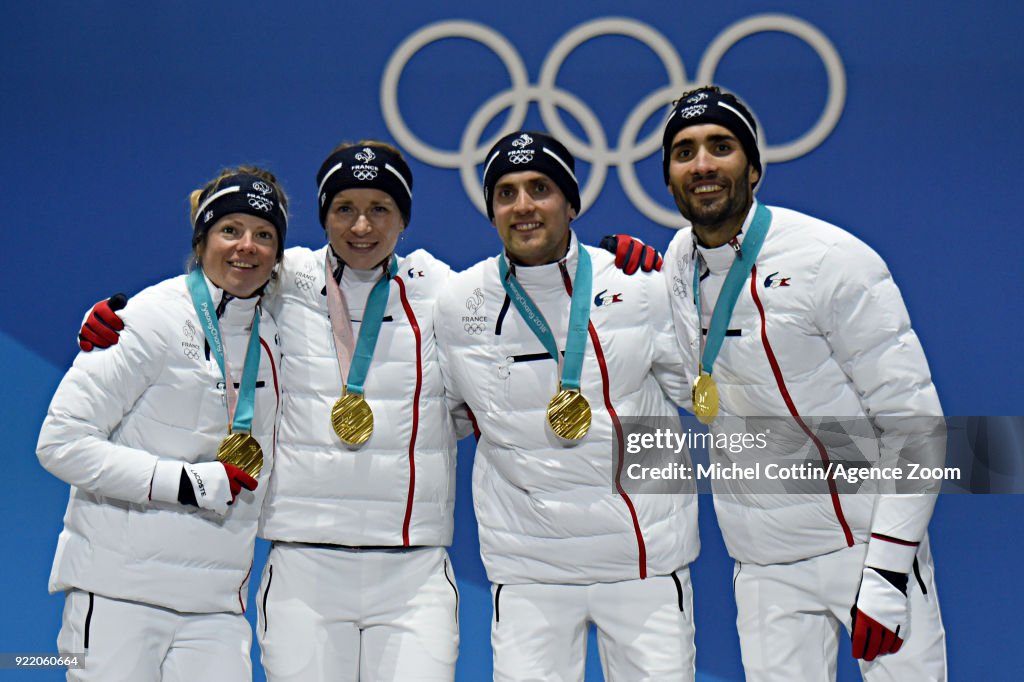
771 282
604 298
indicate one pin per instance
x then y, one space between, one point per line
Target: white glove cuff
880 600
211 486
166 479
890 555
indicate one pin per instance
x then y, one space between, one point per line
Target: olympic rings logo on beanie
365 166
533 151
240 193
711 104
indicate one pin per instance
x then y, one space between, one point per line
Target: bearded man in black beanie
790 319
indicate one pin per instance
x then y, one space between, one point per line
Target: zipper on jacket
88 621
505 368
679 590
920 580
530 357
456 591
501 315
270 579
497 594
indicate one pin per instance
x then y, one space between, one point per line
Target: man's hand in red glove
101 327
631 254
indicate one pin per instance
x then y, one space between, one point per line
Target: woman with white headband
165 440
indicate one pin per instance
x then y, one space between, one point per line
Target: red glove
881 618
631 253
238 479
101 327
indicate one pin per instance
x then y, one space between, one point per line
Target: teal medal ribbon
351 416
241 421
579 316
239 448
568 411
705 392
734 281
369 330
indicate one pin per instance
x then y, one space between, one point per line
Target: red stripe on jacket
415 409
777 371
599 353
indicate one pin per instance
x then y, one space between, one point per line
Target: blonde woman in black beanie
168 461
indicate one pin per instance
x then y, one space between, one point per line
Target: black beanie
531 151
365 166
240 193
711 105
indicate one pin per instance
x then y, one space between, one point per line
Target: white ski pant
644 630
135 642
331 613
789 615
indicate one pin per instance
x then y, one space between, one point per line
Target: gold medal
352 419
569 414
242 450
705 398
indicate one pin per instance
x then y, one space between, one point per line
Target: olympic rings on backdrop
550 98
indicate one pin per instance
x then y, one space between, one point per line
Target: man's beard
715 216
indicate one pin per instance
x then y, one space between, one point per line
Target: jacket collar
233 310
549 274
347 274
720 258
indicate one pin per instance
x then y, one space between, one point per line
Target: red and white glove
881 614
101 326
207 485
631 254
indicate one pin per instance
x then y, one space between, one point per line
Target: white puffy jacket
154 398
548 513
820 331
398 489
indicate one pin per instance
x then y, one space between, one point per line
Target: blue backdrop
897 121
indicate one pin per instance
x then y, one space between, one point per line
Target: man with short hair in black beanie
791 320
553 349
